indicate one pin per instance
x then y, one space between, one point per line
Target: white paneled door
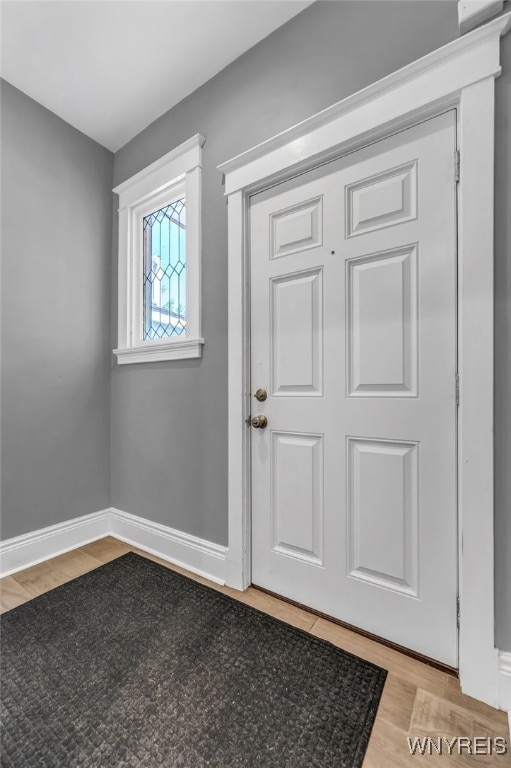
353 325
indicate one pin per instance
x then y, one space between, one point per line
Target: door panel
296 228
382 513
353 296
297 495
381 297
383 200
296 334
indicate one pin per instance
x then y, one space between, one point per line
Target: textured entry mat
135 665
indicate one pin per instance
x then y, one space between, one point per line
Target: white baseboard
504 683
196 555
32 548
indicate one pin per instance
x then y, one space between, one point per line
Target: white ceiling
111 67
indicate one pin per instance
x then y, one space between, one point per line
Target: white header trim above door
373 111
461 75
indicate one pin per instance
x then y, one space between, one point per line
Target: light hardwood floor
418 700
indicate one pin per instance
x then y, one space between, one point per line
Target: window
159 259
164 278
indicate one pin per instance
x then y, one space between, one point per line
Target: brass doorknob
260 422
261 394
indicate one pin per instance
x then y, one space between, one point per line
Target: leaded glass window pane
165 271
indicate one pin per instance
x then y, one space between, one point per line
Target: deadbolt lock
261 395
260 422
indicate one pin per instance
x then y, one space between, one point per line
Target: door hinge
457 389
458 611
457 162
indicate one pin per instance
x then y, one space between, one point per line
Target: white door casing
461 74
353 296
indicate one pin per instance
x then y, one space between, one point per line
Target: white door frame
461 74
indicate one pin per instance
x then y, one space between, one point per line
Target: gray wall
56 284
503 351
169 420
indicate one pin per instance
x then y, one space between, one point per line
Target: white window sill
183 349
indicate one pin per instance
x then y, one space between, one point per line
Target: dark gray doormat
134 665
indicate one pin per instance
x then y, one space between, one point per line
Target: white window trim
460 74
178 173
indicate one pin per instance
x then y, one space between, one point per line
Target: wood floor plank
397 702
291 614
437 717
417 673
388 748
12 594
418 700
433 714
106 549
52 573
453 694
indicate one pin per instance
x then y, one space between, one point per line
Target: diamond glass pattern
164 280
